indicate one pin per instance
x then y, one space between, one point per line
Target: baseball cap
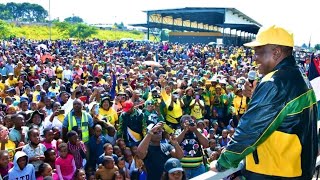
173 165
272 35
126 106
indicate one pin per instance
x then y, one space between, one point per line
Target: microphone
252 76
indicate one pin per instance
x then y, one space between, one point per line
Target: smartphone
176 96
197 97
61 111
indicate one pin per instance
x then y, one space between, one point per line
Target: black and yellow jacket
277 136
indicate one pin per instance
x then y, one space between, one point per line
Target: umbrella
151 63
212 43
43 46
46 56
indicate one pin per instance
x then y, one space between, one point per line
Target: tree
73 19
22 12
64 28
4 30
317 47
82 31
119 26
5 13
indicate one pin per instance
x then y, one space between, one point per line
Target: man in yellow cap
277 136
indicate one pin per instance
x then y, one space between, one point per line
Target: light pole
50 20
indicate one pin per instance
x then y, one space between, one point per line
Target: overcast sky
300 17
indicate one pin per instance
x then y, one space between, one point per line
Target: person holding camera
155 152
192 142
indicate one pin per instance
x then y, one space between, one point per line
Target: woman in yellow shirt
107 111
239 103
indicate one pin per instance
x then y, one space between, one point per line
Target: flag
314 75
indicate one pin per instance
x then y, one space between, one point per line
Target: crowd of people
117 110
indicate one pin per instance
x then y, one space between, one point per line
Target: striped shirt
75 150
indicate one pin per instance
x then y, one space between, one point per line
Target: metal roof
210 16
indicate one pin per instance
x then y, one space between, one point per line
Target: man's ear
277 53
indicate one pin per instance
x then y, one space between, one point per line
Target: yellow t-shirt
12 82
61 117
59 71
2 86
174 115
102 81
197 111
111 115
164 95
10 147
35 94
240 104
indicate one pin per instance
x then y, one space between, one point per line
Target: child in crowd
122 166
5 142
21 168
108 151
45 170
212 147
201 127
50 157
121 144
8 122
80 174
224 139
106 172
65 164
111 135
5 164
213 156
119 175
95 146
117 151
34 149
56 133
76 148
49 142
18 133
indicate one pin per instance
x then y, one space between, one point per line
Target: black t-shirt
155 160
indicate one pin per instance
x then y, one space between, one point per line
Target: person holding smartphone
197 107
56 119
174 110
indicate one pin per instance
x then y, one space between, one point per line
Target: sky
299 17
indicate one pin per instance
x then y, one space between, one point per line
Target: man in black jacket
132 125
277 136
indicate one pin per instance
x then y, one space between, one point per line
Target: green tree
82 31
4 30
317 47
5 13
38 13
14 10
64 28
73 19
22 12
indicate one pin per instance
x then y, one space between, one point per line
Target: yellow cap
272 35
